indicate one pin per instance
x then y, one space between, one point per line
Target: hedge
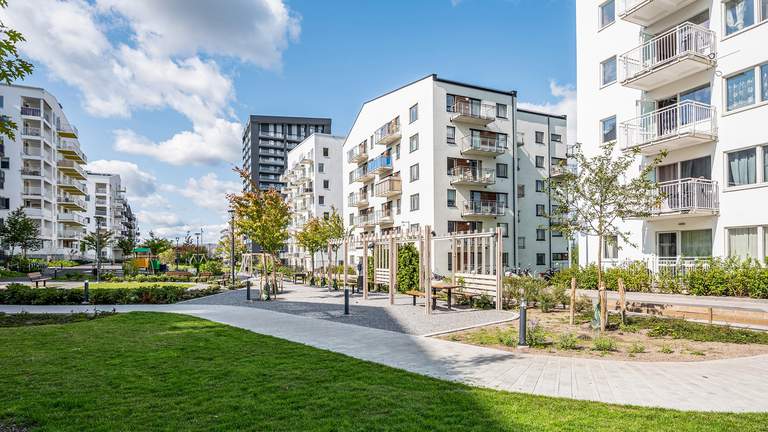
18 294
709 277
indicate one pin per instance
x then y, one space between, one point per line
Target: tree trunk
601 285
264 281
573 301
274 275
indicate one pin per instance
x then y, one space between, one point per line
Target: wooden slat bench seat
470 296
37 277
415 294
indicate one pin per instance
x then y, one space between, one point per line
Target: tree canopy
18 230
156 244
12 68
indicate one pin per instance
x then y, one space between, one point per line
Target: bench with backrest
179 273
37 277
206 275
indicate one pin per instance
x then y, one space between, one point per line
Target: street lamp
98 254
176 253
232 245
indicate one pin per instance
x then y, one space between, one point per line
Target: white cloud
160 67
211 232
566 104
158 218
207 191
137 183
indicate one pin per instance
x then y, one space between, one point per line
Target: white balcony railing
357 154
483 208
29 111
687 119
679 43
469 175
482 145
688 195
31 131
358 199
472 111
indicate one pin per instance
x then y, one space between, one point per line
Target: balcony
32 172
673 55
557 170
71 219
31 112
31 131
306 191
37 212
73 187
647 12
72 151
69 234
389 187
66 131
388 133
358 199
358 154
71 203
32 191
473 113
477 145
468 176
483 208
361 174
384 217
686 197
365 221
381 165
685 124
270 134
71 168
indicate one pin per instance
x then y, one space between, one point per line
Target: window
501 109
765 162
607 13
521 242
740 90
742 242
556 233
414 202
450 101
450 261
539 185
540 210
413 113
505 259
521 191
450 134
608 127
5 163
556 138
739 14
326 215
504 228
451 197
397 152
397 206
414 143
2 101
696 243
541 235
539 137
414 172
610 247
539 161
764 72
541 259
501 170
321 167
560 256
321 199
326 184
608 71
742 167
325 151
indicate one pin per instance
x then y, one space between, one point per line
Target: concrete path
738 385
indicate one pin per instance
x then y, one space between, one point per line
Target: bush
603 344
214 267
130 269
536 337
530 288
18 294
61 263
407 267
636 348
484 302
567 342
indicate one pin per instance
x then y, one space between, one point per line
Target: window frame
450 140
413 113
501 107
541 234
602 129
543 211
411 140
537 135
498 171
451 204
541 259
600 24
537 159
413 178
414 198
615 60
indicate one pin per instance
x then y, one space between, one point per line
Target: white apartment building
108 210
42 169
313 185
442 153
689 77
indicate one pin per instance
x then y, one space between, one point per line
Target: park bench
415 294
179 273
205 275
469 296
37 277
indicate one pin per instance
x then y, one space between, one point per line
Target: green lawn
116 285
144 371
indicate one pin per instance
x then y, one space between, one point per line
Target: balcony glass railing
484 144
685 118
688 195
484 208
485 176
31 131
71 217
357 154
388 132
71 200
387 187
472 109
357 198
381 162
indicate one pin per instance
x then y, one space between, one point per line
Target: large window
501 170
608 71
607 13
696 243
610 247
608 128
742 167
451 197
742 242
740 90
739 14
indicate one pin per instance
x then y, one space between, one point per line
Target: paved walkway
738 385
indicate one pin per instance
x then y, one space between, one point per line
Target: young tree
18 230
156 244
96 241
264 217
126 245
594 201
333 231
311 239
12 67
224 247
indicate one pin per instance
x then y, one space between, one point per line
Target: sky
160 89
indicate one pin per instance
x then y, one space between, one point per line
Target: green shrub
530 288
546 301
636 348
484 302
61 263
130 269
17 294
536 337
407 268
666 349
214 267
603 344
567 342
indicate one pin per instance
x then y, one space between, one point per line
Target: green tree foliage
96 241
126 245
12 68
597 198
333 231
19 231
156 244
224 246
407 267
312 239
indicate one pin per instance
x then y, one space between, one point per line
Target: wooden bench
468 296
206 275
179 273
415 294
37 277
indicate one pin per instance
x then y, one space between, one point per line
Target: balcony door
666 245
666 119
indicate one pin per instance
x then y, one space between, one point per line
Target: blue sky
159 90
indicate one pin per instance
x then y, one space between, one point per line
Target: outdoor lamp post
176 253
98 254
232 245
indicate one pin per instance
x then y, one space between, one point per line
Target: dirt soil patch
630 343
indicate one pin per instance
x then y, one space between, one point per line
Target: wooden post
391 266
365 268
573 301
499 269
622 301
603 306
427 269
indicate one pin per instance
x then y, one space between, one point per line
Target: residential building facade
267 141
689 77
441 153
313 188
42 169
108 210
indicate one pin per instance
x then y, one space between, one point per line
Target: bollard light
346 300
86 296
248 290
522 342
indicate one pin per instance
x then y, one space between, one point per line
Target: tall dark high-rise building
267 141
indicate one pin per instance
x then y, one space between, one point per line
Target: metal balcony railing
29 111
71 217
685 40
71 200
388 187
359 198
358 174
365 220
31 131
380 164
357 154
688 195
687 118
388 133
473 112
384 216
469 175
69 147
483 208
476 144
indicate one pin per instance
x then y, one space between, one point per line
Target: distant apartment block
457 157
108 210
689 77
267 141
313 188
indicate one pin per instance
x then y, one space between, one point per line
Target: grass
32 319
144 371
